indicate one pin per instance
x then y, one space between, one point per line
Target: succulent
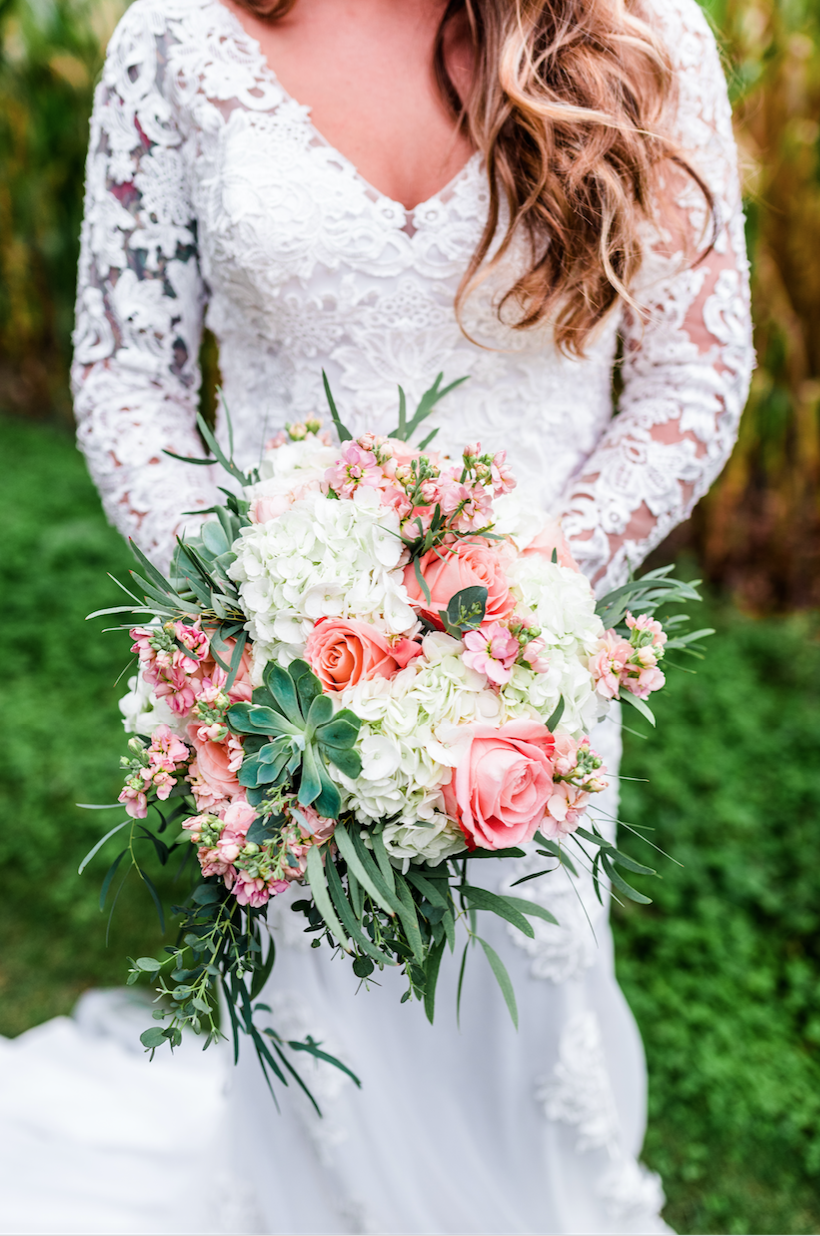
292 728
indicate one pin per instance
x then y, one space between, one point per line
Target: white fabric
209 191
94 1138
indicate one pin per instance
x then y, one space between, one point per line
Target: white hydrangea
561 601
519 516
293 460
291 466
322 558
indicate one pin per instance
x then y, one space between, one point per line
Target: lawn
722 970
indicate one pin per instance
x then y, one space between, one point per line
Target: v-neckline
370 189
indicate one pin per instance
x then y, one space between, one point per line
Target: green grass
60 732
722 971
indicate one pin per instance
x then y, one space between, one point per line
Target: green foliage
758 532
51 52
59 732
722 970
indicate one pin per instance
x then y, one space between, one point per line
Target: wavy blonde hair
570 104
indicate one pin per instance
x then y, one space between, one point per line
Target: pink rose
552 538
209 670
213 766
466 564
500 788
342 651
264 509
319 828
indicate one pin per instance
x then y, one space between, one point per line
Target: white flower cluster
321 558
312 556
561 602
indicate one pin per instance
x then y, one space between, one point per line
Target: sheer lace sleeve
687 351
135 374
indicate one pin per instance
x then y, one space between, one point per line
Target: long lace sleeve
687 350
135 374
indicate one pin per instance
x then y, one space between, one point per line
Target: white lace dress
211 197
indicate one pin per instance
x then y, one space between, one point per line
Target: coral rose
342 651
466 564
213 765
242 688
550 539
500 787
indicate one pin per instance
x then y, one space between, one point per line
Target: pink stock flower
195 640
465 564
499 790
608 665
648 680
167 667
213 864
135 801
577 774
565 809
396 499
163 783
166 750
491 650
474 500
253 891
343 651
354 467
630 665
644 624
531 653
175 688
195 825
502 474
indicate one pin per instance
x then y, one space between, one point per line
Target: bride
515 190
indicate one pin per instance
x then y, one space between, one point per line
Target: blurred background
723 970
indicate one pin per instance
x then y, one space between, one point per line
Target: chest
367 78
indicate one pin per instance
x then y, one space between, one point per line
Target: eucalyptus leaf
502 978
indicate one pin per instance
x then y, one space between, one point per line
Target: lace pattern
208 187
578 1093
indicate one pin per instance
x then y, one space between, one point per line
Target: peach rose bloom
499 790
466 564
552 538
213 764
242 688
342 651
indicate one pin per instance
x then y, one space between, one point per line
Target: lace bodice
211 195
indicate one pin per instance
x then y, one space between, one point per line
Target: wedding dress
212 197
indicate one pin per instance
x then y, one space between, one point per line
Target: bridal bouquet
374 665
